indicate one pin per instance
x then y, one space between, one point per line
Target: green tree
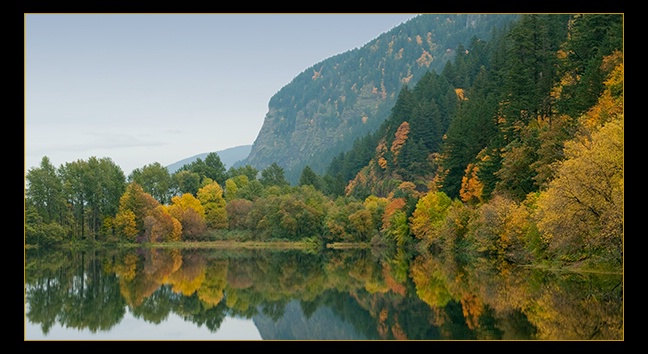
294 215
186 182
253 190
591 38
216 169
104 183
429 216
155 179
273 175
73 175
210 168
310 178
231 190
531 67
362 225
39 232
233 185
473 127
45 192
246 170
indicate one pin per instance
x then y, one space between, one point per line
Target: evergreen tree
215 168
273 175
246 170
211 168
472 129
308 177
591 37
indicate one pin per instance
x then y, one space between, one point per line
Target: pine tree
309 177
273 175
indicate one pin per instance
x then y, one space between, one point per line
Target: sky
145 88
172 328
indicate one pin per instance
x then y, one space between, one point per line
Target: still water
209 294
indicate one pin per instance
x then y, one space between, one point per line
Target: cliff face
331 104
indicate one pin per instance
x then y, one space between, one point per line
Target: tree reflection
400 295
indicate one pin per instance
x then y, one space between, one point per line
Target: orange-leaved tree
191 214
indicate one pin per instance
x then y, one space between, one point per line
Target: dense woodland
514 150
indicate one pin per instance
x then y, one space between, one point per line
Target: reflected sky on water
131 328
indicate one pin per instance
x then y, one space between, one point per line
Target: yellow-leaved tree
581 211
134 206
191 214
472 188
125 225
212 289
211 198
583 206
400 137
429 216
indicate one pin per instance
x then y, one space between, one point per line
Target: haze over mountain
323 110
228 157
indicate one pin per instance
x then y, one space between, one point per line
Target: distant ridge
228 156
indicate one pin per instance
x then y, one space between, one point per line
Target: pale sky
144 88
173 328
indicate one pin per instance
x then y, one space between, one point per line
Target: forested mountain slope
495 120
340 99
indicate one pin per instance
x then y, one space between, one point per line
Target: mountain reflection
335 295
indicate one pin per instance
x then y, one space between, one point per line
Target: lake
359 294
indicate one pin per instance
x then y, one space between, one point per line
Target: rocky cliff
342 98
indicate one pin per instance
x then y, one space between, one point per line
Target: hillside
323 110
228 157
495 119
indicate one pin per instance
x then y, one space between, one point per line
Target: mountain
496 117
323 110
322 324
228 157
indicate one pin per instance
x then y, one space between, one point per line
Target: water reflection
173 328
335 295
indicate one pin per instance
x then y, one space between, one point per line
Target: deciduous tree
429 216
134 206
44 192
583 207
155 180
211 198
191 214
160 226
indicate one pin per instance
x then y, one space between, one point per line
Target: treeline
514 150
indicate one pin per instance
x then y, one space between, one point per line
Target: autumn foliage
529 169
